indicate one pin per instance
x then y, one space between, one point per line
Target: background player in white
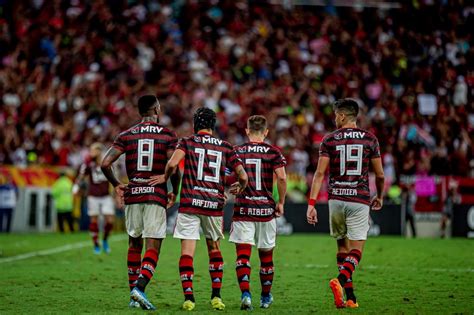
348 152
99 201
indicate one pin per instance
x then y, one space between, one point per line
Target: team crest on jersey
338 136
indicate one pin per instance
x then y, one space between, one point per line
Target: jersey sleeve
181 145
119 143
375 149
233 159
279 160
323 148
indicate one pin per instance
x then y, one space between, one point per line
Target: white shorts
261 234
146 220
100 205
187 227
348 219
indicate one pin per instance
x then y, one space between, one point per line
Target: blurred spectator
69 72
408 198
451 199
8 198
63 201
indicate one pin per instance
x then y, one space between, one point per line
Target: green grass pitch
395 276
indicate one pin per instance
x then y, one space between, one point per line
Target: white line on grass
374 267
56 250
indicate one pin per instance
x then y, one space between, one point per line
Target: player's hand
376 203
119 195
312 215
235 188
75 189
157 180
279 210
171 200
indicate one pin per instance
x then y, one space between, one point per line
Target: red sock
94 232
349 266
186 273
242 266
266 271
216 270
133 263
149 261
107 228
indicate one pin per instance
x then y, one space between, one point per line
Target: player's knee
135 242
93 219
212 246
265 251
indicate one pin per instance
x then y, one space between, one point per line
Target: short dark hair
257 123
348 106
147 102
204 118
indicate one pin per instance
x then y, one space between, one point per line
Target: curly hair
204 118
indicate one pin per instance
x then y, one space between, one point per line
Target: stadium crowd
70 72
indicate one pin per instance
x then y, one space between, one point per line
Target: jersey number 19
350 153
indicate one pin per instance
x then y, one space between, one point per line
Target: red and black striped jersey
260 160
146 146
350 151
202 188
97 184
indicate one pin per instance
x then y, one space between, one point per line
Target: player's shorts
348 219
261 234
146 220
187 227
100 205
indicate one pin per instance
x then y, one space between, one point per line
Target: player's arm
110 157
79 179
170 169
311 213
242 180
281 186
175 179
377 202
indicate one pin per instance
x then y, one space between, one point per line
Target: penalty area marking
374 267
56 250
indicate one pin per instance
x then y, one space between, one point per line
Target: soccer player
147 147
99 201
202 200
254 221
347 152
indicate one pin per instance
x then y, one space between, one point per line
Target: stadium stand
70 72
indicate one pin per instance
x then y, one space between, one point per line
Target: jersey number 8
146 148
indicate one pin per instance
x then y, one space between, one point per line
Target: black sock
350 294
216 292
141 284
189 297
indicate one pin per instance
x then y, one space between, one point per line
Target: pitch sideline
56 250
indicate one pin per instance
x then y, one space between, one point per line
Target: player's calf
186 273
266 271
242 266
216 270
149 262
348 286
